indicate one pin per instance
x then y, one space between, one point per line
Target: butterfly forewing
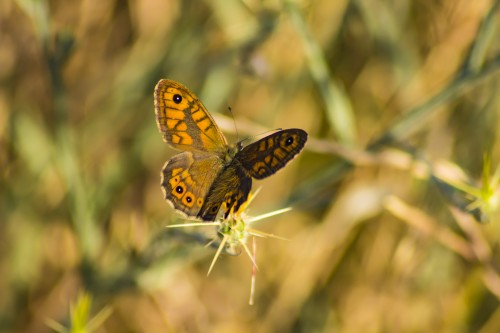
183 120
270 154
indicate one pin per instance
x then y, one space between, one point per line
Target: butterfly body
210 173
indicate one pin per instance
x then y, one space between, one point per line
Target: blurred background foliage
401 100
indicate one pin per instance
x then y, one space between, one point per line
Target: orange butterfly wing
183 120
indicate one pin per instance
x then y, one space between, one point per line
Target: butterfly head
232 151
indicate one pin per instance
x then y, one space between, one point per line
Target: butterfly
209 173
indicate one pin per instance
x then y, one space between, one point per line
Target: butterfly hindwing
237 186
186 180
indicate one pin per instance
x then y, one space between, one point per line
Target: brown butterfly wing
187 179
183 120
229 191
270 154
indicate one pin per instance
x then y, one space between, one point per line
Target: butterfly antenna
234 122
262 134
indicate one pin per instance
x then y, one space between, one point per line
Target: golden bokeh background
401 101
